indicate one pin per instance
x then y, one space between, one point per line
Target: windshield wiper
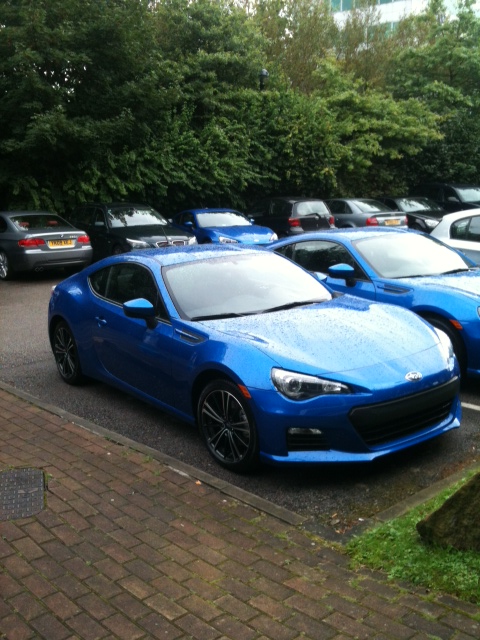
444 273
219 316
292 305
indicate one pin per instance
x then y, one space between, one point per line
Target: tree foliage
160 101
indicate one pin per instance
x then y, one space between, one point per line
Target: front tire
227 426
457 342
66 354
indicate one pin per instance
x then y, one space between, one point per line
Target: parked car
119 227
450 196
403 268
38 240
422 214
225 226
255 351
361 212
461 230
288 216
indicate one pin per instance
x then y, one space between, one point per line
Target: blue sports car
255 351
225 226
404 268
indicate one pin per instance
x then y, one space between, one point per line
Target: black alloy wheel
66 354
227 426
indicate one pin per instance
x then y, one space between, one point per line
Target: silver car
38 240
461 230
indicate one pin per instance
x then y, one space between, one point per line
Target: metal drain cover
21 493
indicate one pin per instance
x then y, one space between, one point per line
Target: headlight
299 386
224 240
192 240
446 348
137 244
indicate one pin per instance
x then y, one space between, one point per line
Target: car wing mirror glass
142 309
452 199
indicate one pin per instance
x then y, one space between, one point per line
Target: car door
465 236
450 199
128 350
318 255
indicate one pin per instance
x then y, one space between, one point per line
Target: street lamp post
263 78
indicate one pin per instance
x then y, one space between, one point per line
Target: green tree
441 67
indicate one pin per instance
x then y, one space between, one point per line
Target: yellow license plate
60 243
392 222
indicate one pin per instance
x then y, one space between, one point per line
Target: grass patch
396 549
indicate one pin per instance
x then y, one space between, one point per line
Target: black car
290 215
364 212
119 227
422 213
450 196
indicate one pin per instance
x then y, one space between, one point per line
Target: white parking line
475 407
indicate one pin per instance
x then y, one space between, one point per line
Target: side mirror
343 272
452 199
142 309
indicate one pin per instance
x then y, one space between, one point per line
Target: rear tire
66 355
6 272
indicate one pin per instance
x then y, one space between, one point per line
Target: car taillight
83 239
331 221
294 222
31 242
371 222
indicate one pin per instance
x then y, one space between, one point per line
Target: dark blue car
404 268
224 226
255 351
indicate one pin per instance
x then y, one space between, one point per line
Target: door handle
100 321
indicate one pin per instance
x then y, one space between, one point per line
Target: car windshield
40 221
310 207
409 255
134 217
418 204
371 206
469 194
240 285
222 219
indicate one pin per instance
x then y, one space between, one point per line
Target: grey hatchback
38 240
364 212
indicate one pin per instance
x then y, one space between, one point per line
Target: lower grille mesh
382 423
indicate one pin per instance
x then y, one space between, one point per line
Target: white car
461 230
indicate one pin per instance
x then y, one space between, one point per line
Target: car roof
182 254
464 213
351 234
29 213
293 198
211 210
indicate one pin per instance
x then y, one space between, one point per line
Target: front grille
174 243
388 421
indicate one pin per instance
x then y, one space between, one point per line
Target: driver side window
319 255
122 282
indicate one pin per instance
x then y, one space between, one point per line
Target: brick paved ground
127 547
